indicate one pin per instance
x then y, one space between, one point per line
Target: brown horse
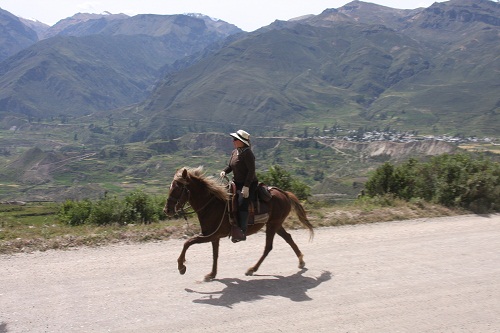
210 201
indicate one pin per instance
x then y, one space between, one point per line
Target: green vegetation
138 217
282 179
136 207
460 180
38 227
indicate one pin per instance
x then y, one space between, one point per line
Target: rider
242 164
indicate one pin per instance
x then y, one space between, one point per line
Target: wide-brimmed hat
242 135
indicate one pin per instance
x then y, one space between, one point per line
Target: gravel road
425 275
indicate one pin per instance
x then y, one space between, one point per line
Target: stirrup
237 234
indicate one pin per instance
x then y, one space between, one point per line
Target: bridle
179 200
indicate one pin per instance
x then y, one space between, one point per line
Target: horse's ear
184 173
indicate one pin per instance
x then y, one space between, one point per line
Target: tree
279 177
460 180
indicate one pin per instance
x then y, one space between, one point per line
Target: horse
210 200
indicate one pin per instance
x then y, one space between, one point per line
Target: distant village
395 136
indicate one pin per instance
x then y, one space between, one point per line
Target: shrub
144 208
109 211
459 180
137 207
279 177
75 212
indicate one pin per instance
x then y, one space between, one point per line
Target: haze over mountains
433 69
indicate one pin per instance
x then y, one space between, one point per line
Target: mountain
286 75
160 92
430 69
77 76
100 69
82 24
14 35
37 26
180 26
433 69
364 12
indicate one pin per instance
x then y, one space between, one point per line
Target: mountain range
107 102
89 63
432 69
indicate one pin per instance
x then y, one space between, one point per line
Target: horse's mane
211 184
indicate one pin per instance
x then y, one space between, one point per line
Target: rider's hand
222 174
245 191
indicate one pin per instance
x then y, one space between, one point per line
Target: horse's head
178 193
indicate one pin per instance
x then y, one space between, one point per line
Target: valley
76 160
100 104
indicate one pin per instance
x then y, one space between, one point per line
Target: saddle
258 211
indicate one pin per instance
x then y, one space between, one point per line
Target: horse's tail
301 213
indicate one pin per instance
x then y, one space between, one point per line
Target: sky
247 15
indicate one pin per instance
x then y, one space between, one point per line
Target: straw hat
242 135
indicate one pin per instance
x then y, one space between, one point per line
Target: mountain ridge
361 64
392 79
109 112
66 74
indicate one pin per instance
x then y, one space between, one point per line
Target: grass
35 227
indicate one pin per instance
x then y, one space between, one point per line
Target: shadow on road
3 327
294 287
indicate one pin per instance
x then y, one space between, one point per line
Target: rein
195 211
184 214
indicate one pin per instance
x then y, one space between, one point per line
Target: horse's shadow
3 327
294 287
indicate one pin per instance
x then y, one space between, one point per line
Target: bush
137 207
109 211
279 177
459 180
144 208
75 213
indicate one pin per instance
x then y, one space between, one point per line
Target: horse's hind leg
269 246
288 238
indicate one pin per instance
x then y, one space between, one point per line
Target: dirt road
428 275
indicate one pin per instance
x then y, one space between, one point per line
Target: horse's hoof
302 263
249 272
209 277
182 270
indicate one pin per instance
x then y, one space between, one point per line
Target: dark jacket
242 164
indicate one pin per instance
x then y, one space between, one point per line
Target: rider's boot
243 223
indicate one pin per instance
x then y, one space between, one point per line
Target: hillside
340 67
100 69
68 76
112 103
14 35
75 171
433 70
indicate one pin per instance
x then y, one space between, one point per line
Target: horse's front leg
182 258
195 240
215 255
